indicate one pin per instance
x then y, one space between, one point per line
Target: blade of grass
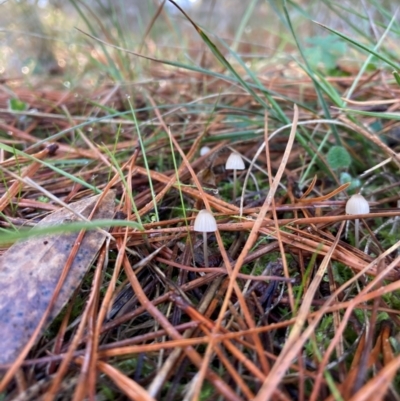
361 46
146 163
246 17
113 68
178 182
9 236
72 177
310 73
189 68
359 28
220 57
368 60
390 116
126 186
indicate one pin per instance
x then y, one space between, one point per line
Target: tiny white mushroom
204 150
234 162
357 204
205 223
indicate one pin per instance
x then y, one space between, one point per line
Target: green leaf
17 105
338 157
325 51
354 182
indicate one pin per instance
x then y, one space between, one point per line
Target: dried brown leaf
31 269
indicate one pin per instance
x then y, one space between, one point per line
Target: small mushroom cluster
205 221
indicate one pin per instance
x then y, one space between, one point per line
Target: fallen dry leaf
30 270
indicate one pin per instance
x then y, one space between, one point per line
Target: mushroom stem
234 162
205 249
357 232
234 185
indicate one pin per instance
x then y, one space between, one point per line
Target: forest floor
294 295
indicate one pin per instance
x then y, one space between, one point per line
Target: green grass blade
361 46
9 236
311 75
113 68
220 57
246 17
142 147
125 184
368 60
72 177
390 116
396 77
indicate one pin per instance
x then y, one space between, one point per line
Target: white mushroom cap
234 162
357 204
204 150
205 222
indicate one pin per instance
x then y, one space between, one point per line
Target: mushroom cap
205 222
357 204
234 162
204 150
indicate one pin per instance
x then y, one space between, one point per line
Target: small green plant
354 182
324 51
338 158
43 199
17 105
